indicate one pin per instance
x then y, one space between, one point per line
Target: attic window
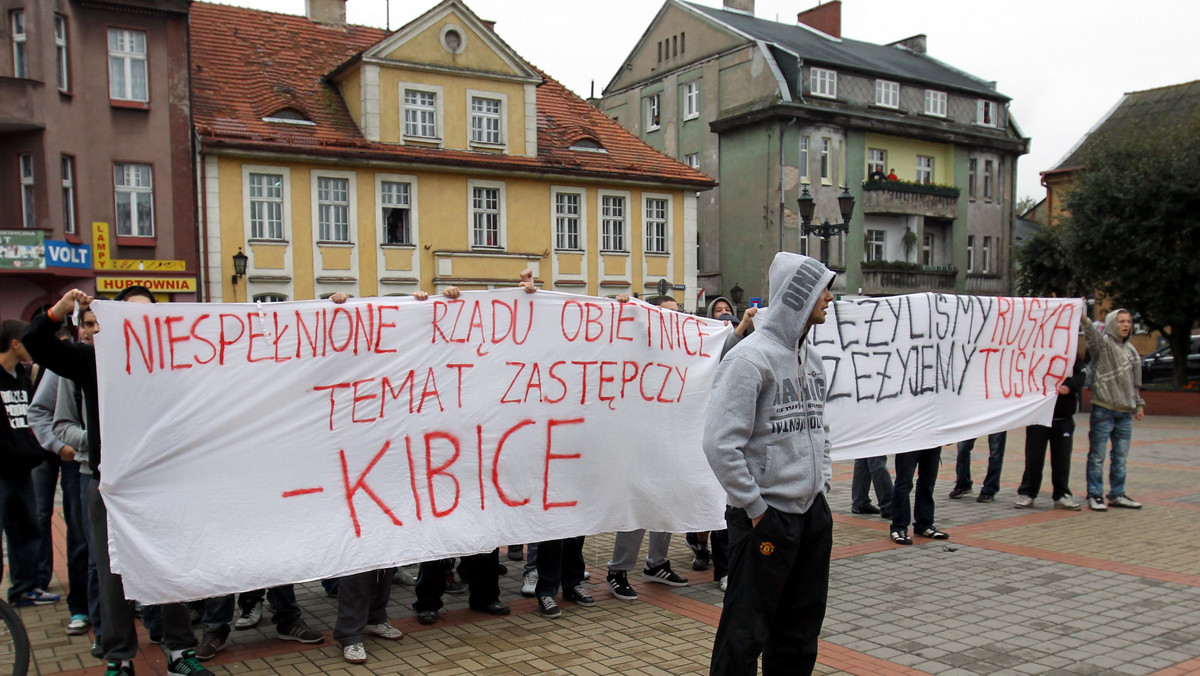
590 145
288 116
453 39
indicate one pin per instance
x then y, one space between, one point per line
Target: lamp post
825 230
239 269
736 294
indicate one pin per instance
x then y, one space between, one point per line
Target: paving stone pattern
1036 591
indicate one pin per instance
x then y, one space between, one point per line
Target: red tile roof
247 64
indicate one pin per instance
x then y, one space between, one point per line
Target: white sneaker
355 653
724 583
403 578
384 630
1066 502
1097 504
1125 502
1023 502
250 618
529 586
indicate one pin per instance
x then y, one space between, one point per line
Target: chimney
331 12
745 6
916 43
826 18
491 25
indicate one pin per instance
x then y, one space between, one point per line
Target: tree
1025 204
1042 268
1134 227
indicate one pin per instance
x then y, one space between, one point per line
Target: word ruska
484 323
424 473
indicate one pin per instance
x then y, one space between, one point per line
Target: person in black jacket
19 454
77 362
1059 435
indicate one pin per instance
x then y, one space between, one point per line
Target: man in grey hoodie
767 442
1116 403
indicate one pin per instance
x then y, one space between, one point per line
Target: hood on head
796 283
713 304
1110 325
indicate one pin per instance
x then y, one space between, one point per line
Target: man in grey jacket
767 442
1116 402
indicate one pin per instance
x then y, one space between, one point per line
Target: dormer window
590 145
288 116
823 82
985 113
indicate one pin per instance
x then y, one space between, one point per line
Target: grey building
775 111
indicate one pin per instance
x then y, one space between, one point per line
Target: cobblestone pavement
1037 591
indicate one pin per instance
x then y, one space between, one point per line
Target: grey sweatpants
362 600
626 546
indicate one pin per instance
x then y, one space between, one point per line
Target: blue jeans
925 462
962 467
1107 424
218 610
18 518
45 478
869 471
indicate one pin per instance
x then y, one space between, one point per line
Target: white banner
247 447
924 370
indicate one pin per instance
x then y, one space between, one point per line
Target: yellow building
347 158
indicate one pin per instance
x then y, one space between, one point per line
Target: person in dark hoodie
1116 403
1059 436
77 362
767 442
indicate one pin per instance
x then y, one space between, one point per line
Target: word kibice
396 430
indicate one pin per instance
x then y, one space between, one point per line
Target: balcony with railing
985 285
892 278
914 199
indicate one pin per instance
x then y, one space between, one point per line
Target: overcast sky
1064 63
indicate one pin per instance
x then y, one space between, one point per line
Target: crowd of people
772 562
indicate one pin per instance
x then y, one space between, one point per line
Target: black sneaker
455 587
115 669
427 616
959 491
300 632
664 575
702 559
579 596
900 537
986 497
187 665
869 509
619 583
547 607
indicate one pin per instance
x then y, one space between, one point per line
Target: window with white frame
485 120
28 212
826 148
269 298
19 37
612 223
70 226
60 53
804 158
876 162
924 169
972 168
395 198
333 209
887 94
128 78
566 221
985 112
927 249
823 82
935 103
485 217
988 169
691 100
876 245
266 206
692 160
134 187
420 113
656 225
652 112
970 253
985 264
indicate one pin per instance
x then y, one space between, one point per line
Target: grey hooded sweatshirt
1116 367
765 434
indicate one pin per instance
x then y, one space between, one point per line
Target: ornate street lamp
736 294
239 266
825 230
